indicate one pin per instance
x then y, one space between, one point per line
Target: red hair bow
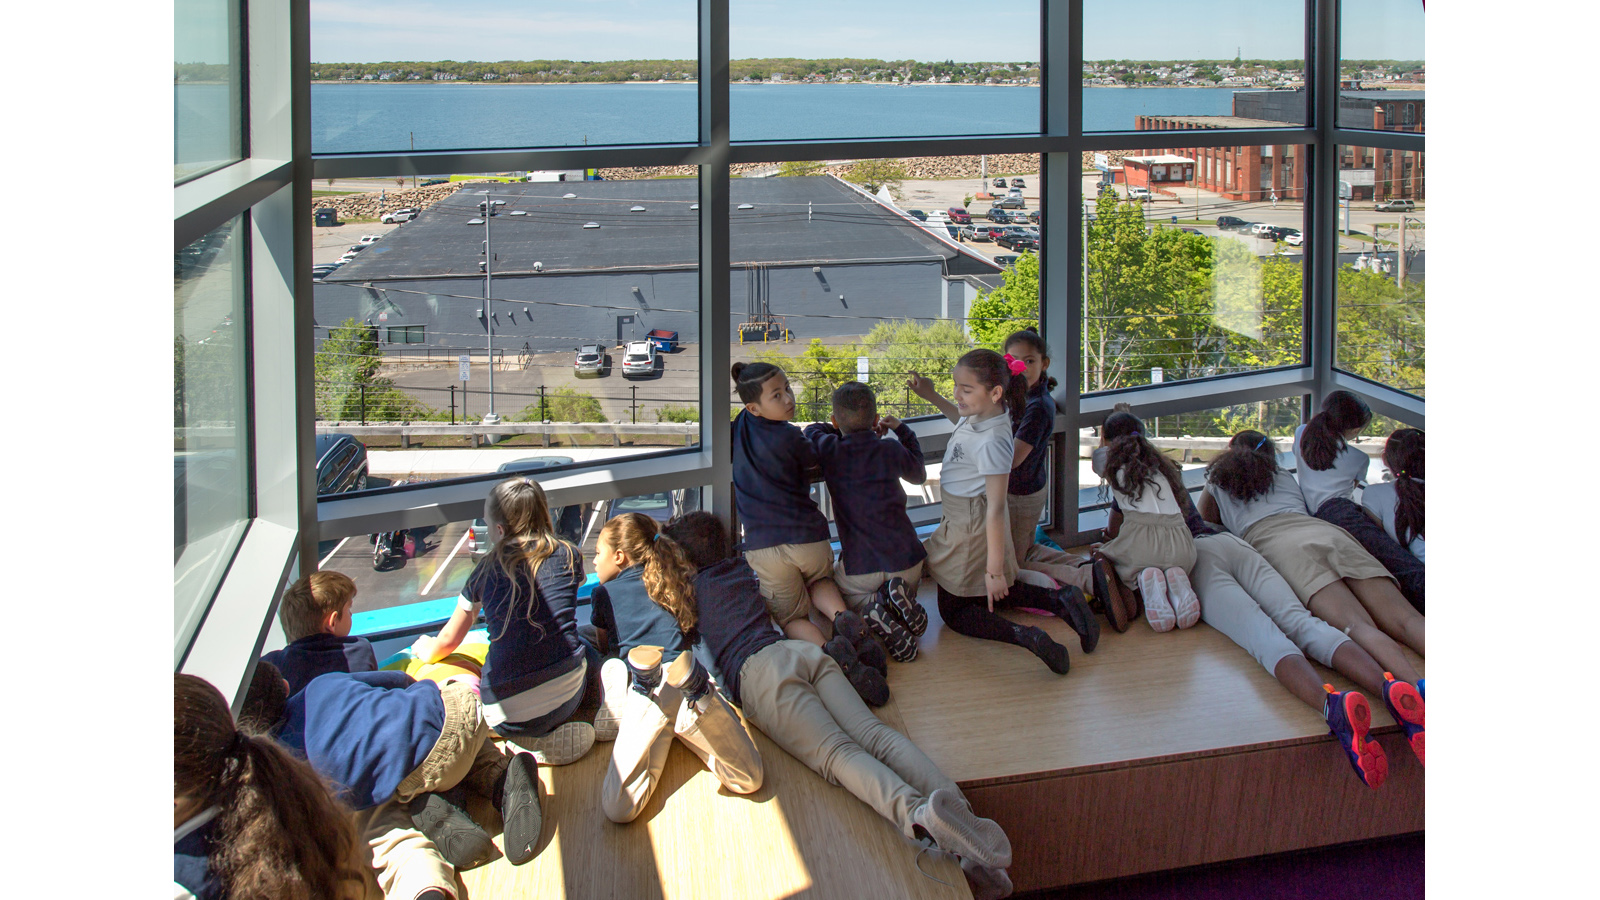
1016 366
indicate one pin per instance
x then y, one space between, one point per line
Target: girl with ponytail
1398 504
971 556
644 607
1330 470
251 820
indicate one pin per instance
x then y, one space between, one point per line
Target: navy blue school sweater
365 731
191 857
863 472
771 462
733 620
631 619
1038 423
319 654
533 623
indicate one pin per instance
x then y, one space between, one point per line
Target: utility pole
1400 258
488 291
413 148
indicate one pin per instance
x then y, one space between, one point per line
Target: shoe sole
613 688
872 687
986 882
1081 618
900 642
1365 756
461 841
850 626
1406 705
564 746
906 607
1109 590
523 817
957 830
1158 609
1180 593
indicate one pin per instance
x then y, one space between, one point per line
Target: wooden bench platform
1157 751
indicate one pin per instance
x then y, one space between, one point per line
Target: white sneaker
613 689
955 828
566 745
1158 609
1185 604
986 882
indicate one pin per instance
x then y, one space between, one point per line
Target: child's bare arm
432 649
923 387
996 526
1209 509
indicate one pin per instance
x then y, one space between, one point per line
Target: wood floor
1154 752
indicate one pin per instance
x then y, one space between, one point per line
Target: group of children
687 628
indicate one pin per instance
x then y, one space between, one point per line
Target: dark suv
996 214
341 464
1231 223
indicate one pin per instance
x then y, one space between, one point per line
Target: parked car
1231 223
1010 237
981 233
1006 259
591 359
1261 229
341 464
1024 242
346 258
479 540
1106 188
1280 233
639 359
1011 201
1395 205
1000 183
323 270
1139 193
917 214
1293 238
1036 216
959 216
357 248
999 215
395 217
1018 183
370 239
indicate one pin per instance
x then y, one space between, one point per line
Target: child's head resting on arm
1246 468
764 390
702 537
854 408
280 833
318 603
1132 461
633 539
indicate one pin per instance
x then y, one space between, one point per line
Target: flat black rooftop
792 221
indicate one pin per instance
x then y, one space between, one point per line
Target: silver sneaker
564 746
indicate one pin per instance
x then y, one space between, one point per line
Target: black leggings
1407 569
970 615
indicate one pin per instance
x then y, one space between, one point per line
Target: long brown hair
1403 454
668 576
1132 462
992 371
1323 438
281 834
520 505
1246 469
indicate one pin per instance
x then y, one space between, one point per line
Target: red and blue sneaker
1349 719
1405 704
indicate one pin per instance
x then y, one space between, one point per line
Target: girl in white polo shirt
970 556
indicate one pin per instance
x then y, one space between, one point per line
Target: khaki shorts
858 589
786 571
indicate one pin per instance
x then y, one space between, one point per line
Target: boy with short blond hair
316 618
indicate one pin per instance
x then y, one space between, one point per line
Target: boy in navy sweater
799 696
398 752
316 618
880 556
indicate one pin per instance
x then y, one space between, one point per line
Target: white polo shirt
977 448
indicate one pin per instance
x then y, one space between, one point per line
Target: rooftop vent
474 221
747 206
569 196
637 209
695 206
519 212
591 224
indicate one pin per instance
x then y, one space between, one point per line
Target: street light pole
488 290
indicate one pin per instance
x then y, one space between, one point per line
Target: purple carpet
1388 869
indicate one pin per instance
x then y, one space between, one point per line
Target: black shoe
1040 644
854 629
443 818
687 675
1109 589
899 640
519 808
867 681
903 603
1080 617
644 664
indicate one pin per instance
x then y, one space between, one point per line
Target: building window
1411 114
406 334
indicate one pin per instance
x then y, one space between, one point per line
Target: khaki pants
407 862
1024 510
797 695
709 727
787 572
858 589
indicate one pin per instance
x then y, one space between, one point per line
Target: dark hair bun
737 368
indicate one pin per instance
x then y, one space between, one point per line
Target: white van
1139 193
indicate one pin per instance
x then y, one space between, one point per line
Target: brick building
1258 172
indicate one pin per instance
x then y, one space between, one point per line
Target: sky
379 30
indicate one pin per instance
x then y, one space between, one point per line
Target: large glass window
877 268
918 67
1382 67
1207 64
208 87
1382 276
1193 265
210 396
497 73
583 294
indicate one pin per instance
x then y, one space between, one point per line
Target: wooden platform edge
1085 826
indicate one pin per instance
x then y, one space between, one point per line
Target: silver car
639 359
591 359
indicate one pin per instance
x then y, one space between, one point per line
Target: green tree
874 174
562 405
898 348
1009 307
348 386
799 167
